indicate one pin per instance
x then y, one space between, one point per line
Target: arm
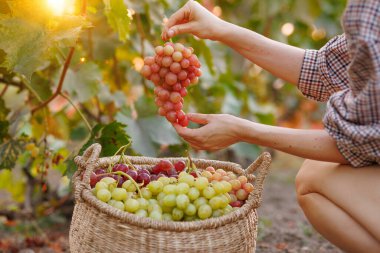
280 59
222 130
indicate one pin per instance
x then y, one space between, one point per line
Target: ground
282 225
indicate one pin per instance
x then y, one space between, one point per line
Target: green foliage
105 89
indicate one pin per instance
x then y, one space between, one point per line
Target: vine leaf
9 152
111 136
117 16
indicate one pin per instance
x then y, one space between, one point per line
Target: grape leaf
24 43
9 152
83 83
149 131
117 17
111 136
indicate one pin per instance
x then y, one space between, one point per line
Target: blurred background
98 47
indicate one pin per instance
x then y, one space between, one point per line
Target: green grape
177 214
164 180
93 190
103 195
167 209
208 192
173 180
182 188
183 173
111 202
160 196
227 209
155 215
108 180
131 205
101 185
119 194
142 213
118 204
167 217
189 218
218 187
200 201
190 210
188 179
227 186
129 186
153 201
146 193
216 202
155 187
225 200
170 200
217 213
143 203
204 211
201 183
193 193
154 207
182 201
169 189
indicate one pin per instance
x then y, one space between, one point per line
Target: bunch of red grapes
172 69
163 169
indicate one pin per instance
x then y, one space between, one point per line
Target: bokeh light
287 29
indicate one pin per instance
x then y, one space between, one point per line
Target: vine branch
4 90
58 91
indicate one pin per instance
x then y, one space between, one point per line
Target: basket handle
261 165
86 163
90 155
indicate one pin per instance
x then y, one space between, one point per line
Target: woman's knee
305 178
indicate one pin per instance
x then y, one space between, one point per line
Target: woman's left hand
219 131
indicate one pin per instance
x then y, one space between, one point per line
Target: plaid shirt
346 72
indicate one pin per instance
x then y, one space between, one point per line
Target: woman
341 200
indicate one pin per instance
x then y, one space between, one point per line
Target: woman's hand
219 131
195 19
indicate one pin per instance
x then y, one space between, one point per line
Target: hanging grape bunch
172 70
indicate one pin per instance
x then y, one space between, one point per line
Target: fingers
184 132
199 118
179 29
179 16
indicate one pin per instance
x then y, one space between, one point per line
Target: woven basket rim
87 196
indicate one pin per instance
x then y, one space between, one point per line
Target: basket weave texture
99 227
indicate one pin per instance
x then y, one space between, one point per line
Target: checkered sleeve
324 71
353 114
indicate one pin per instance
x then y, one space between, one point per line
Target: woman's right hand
195 19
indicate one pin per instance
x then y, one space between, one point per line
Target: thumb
198 118
180 29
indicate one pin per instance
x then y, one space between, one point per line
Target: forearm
309 144
281 60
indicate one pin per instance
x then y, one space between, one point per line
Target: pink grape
163 72
178 106
177 87
179 47
161 111
185 82
159 102
170 78
185 63
182 75
177 56
149 60
184 122
168 50
155 67
146 71
155 78
164 94
187 53
183 92
159 50
171 116
181 115
167 61
168 106
175 97
175 67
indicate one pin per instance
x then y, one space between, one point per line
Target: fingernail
170 33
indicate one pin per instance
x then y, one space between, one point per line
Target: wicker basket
99 227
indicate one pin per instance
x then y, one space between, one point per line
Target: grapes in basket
168 191
172 70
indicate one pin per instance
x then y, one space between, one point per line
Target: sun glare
60 7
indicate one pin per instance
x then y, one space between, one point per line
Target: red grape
173 68
180 166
